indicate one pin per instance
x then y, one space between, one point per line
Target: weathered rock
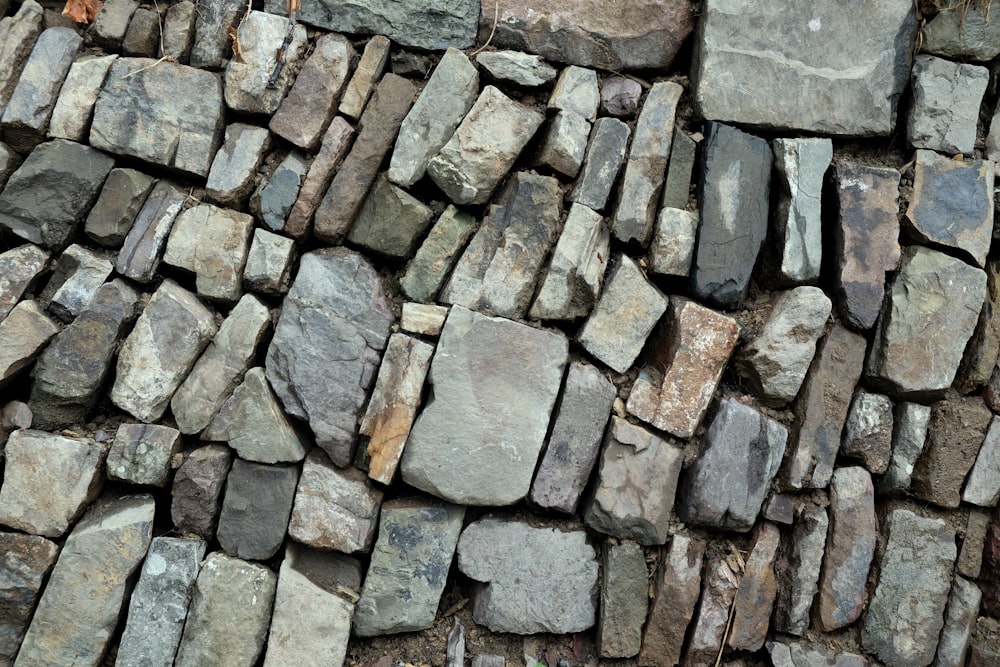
934 299
142 453
70 372
390 222
822 410
334 509
565 143
412 64
23 335
14 415
620 96
143 35
336 143
533 579
639 198
18 34
212 40
677 382
25 561
369 70
195 496
963 605
983 349
710 627
49 194
952 203
946 99
229 614
576 438
19 267
834 72
799 573
623 601
75 106
907 611
640 35
178 30
970 555
601 163
803 654
636 484
517 67
423 318
734 208
140 253
79 274
276 194
85 593
849 549
212 243
577 91
677 186
112 216
409 568
255 511
432 263
307 110
868 431
756 593
740 455
780 508
221 366
958 426
672 248
629 308
269 52
675 594
963 32
982 487
775 361
170 114
910 421
800 167
478 359
111 23
333 327
269 263
9 160
234 168
499 269
159 603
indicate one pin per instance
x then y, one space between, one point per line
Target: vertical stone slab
756 592
671 250
254 516
601 163
624 601
801 165
211 32
178 30
139 256
675 595
959 623
430 267
369 70
74 109
910 421
717 597
946 98
799 574
196 493
25 561
677 187
334 147
982 486
18 34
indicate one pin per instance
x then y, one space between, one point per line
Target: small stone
140 253
910 421
23 335
963 32
565 143
959 622
915 576
677 187
335 145
9 161
710 627
269 263
369 70
120 201
946 99
143 36
576 91
620 96
433 261
212 41
25 561
676 384
79 274
111 23
629 308
334 509
849 549
675 593
756 593
803 654
868 431
521 69
178 30
623 601
970 556
19 268
672 249
601 163
231 178
14 415
423 318
409 567
141 453
534 579
275 196
780 508
390 222
255 510
800 167
958 427
269 51
212 243
229 614
798 574
197 490
75 106
414 65
18 34
983 349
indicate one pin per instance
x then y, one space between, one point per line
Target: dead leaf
82 11
234 35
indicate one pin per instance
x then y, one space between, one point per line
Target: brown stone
721 582
368 71
675 594
757 591
336 142
982 350
970 556
195 497
25 560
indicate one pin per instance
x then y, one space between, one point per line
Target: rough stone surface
576 90
250 82
982 487
565 143
958 426
111 22
962 31
479 358
757 591
140 253
676 385
620 96
677 186
963 605
143 36
798 575
423 318
335 145
804 654
276 194
231 177
409 567
269 263
84 271
18 34
672 248
533 579
333 327
75 106
522 69
255 511
212 243
907 611
369 70
946 99
910 421
800 167
983 349
429 268
212 41
675 594
601 163
141 453
25 561
868 431
19 267
178 30
623 601
970 556
23 334
709 631
112 216
196 492
725 487
390 222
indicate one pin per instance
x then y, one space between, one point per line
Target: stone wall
573 332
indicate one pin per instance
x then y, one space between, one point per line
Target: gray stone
776 360
952 203
273 199
803 654
48 479
25 121
800 167
69 375
334 509
143 36
221 366
734 209
934 300
577 91
255 510
478 359
982 487
601 163
333 327
629 308
639 199
576 438
212 243
390 222
499 269
432 264
178 30
335 145
369 70
740 455
159 602
86 591
14 415
620 96
19 267
907 611
833 72
80 273
310 104
423 318
565 143
75 106
712 622
212 42
257 80
756 593
636 484
868 431
234 169
9 161
672 248
170 114
677 186
228 618
142 453
140 253
963 32
970 556
25 561
489 660
18 34
197 489
576 271
269 263
532 579
957 429
409 567
983 349
959 622
624 601
167 338
111 23
50 193
946 99
415 65
798 575
23 335
676 588
522 69
112 216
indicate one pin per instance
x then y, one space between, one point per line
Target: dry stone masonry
500 332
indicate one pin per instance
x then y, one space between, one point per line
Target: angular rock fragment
111 22
522 69
909 434
620 96
801 165
269 51
623 601
982 487
269 263
868 431
212 243
140 253
959 622
432 263
196 493
798 575
756 592
335 145
963 32
601 163
423 318
255 511
710 627
565 143
142 453
983 349
115 210
675 594
143 35
18 34
276 194
677 186
946 99
25 561
178 30
212 40
576 91
23 335
672 248
958 426
19 267
231 177
390 222
73 110
78 275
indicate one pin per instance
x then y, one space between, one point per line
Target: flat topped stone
212 243
945 110
523 69
962 31
270 49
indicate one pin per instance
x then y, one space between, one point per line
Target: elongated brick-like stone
757 590
430 267
709 632
75 106
140 253
25 561
799 575
601 163
369 70
18 34
675 595
337 141
801 165
624 601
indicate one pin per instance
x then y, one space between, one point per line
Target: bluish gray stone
944 115
601 163
255 510
275 196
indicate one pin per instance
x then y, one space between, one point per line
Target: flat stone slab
212 243
431 265
798 576
959 622
370 68
800 167
910 421
142 453
956 432
254 516
250 81
962 32
624 600
461 448
671 250
517 67
139 256
390 222
234 168
756 592
75 107
676 589
533 579
945 111
982 487
24 564
709 630
601 163
18 34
